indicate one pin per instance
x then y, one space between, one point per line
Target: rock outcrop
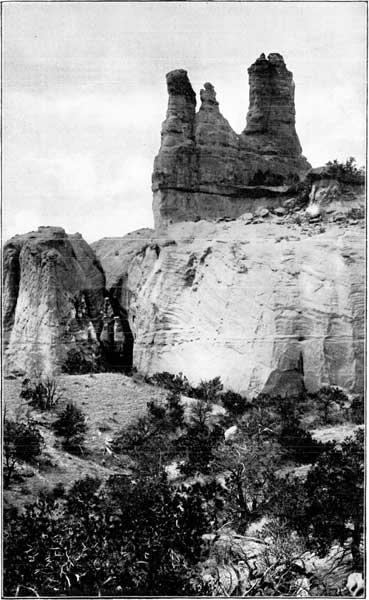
205 170
269 305
53 294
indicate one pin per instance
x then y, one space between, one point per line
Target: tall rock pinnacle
204 169
271 114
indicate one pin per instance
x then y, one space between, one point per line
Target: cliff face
267 306
53 294
204 169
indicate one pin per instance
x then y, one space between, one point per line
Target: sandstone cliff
205 170
266 305
53 294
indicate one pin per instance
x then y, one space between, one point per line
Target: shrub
299 444
208 390
77 363
43 394
22 443
119 539
346 172
175 383
235 403
357 410
329 400
329 506
72 426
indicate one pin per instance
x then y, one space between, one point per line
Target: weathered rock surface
266 306
116 253
53 294
205 170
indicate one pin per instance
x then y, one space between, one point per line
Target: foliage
199 439
300 444
22 443
149 440
175 383
77 363
335 487
248 464
329 506
357 410
208 390
235 403
281 571
71 425
346 172
126 537
329 401
43 394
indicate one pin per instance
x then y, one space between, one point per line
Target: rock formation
53 294
255 273
267 306
205 170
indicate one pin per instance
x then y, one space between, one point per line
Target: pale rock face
263 306
53 296
328 196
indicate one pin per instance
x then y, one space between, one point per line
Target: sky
84 96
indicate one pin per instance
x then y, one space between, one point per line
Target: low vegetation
347 172
192 477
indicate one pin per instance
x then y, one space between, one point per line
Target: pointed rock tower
204 169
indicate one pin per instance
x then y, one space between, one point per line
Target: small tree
357 410
335 487
43 394
329 506
329 398
235 403
249 464
22 443
71 425
208 390
200 439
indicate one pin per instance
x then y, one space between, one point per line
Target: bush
22 443
77 363
330 401
329 506
299 444
72 426
43 394
357 410
346 172
208 390
235 403
175 383
119 539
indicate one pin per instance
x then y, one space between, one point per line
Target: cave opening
118 352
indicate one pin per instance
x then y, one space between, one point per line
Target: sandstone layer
268 303
205 170
53 297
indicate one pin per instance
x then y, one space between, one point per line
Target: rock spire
204 169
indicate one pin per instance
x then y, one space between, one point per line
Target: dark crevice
119 353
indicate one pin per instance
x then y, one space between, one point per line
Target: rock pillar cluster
204 169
